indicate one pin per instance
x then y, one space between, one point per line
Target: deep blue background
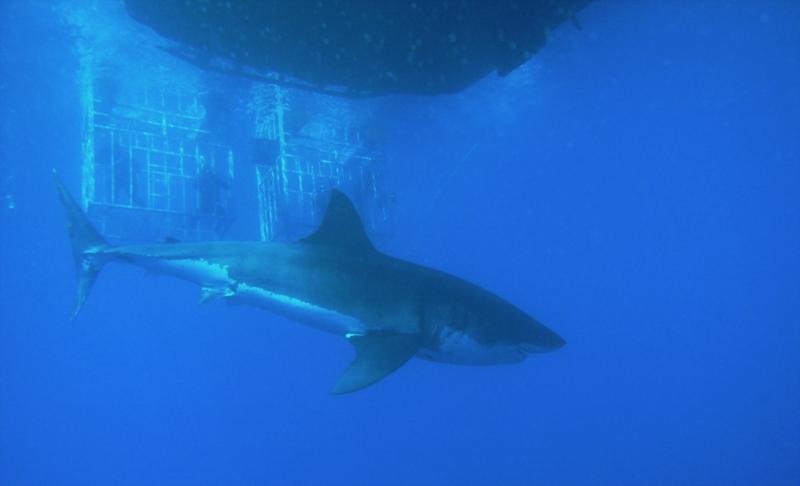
637 188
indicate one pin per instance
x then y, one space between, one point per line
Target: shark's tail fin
87 244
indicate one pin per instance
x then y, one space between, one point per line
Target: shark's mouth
459 348
531 348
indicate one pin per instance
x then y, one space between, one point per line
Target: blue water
636 188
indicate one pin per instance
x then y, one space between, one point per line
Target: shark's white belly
456 347
202 272
324 319
216 281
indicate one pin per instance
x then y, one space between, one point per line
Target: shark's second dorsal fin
341 227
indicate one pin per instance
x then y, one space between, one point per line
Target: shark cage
171 151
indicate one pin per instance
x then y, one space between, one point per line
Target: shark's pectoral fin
377 355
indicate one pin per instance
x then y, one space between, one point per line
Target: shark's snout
557 342
544 341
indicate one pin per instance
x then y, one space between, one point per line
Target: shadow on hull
359 47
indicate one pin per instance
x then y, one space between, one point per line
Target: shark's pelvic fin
341 227
212 293
86 241
377 355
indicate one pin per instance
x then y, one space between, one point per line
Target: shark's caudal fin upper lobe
86 243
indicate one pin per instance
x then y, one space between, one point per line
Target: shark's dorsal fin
341 227
377 355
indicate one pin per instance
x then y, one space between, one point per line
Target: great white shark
335 280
